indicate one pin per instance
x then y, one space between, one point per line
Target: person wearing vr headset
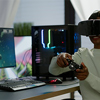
89 74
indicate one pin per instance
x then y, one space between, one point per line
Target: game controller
73 66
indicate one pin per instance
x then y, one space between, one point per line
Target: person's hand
61 60
83 73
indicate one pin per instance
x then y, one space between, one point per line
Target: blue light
53 47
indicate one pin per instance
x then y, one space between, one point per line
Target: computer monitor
23 52
49 41
20 49
7 48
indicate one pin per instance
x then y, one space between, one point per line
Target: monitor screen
7 48
23 59
23 51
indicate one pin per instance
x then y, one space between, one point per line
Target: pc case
49 41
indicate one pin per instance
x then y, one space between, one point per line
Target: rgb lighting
49 38
42 38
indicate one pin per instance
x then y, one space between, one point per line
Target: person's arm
94 81
59 64
86 75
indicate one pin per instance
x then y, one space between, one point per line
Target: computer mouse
55 81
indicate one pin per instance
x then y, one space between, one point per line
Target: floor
77 97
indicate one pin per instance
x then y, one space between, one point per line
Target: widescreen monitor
23 58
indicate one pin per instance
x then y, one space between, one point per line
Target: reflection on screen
23 59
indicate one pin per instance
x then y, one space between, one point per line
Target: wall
85 41
41 12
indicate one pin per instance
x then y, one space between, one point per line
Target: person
89 75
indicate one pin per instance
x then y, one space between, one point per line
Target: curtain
84 8
8 9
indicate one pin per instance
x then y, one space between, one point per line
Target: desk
39 93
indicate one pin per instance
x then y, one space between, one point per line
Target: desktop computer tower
49 41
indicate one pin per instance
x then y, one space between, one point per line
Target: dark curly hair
94 15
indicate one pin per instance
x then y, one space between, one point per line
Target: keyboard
20 83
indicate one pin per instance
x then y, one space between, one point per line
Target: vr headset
89 27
